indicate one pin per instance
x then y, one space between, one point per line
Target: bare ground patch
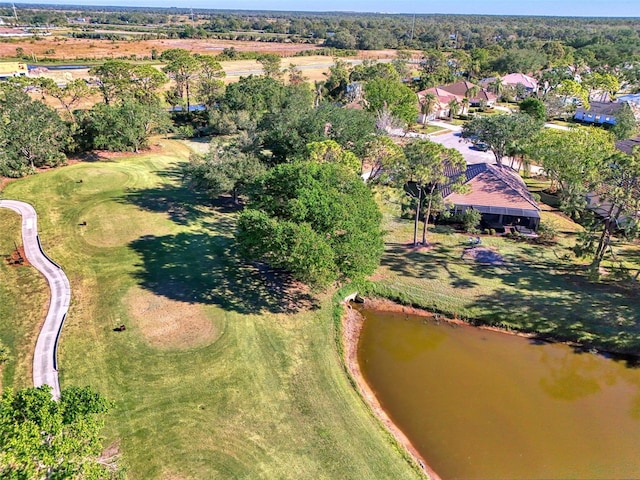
483 256
170 324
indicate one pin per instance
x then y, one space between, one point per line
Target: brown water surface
479 404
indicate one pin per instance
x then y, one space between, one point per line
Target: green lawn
23 301
428 128
227 371
223 371
539 288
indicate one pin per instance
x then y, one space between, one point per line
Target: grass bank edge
337 314
375 289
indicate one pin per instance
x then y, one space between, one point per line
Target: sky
578 8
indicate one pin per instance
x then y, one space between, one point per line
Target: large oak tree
318 221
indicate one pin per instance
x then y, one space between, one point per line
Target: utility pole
15 12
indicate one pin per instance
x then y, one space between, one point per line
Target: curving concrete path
45 364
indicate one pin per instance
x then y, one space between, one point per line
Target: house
461 90
514 79
440 108
599 113
500 195
633 98
456 91
627 146
13 69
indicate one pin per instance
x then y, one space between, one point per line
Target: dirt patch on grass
17 258
483 256
170 324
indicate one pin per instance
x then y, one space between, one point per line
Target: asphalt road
45 368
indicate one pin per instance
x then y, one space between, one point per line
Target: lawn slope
538 288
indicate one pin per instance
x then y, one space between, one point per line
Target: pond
480 404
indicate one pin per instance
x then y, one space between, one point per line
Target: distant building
633 98
456 91
627 146
13 69
14 32
514 79
599 113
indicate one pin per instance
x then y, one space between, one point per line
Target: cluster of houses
465 94
499 193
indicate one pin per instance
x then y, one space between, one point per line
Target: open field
224 370
537 289
78 49
85 48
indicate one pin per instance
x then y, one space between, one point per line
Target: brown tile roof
441 94
460 89
627 145
493 186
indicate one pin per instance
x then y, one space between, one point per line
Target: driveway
468 151
45 367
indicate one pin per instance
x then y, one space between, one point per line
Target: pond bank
352 322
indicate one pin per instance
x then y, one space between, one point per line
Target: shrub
471 220
184 131
547 232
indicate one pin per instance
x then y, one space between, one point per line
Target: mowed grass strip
24 299
539 288
246 381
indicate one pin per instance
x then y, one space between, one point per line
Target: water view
486 405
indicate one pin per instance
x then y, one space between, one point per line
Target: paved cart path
45 367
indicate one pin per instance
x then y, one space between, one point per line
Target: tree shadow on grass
172 197
407 261
561 303
183 205
203 268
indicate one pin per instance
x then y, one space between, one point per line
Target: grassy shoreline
540 289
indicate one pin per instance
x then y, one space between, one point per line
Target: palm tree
496 86
465 105
454 108
470 94
426 106
319 89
